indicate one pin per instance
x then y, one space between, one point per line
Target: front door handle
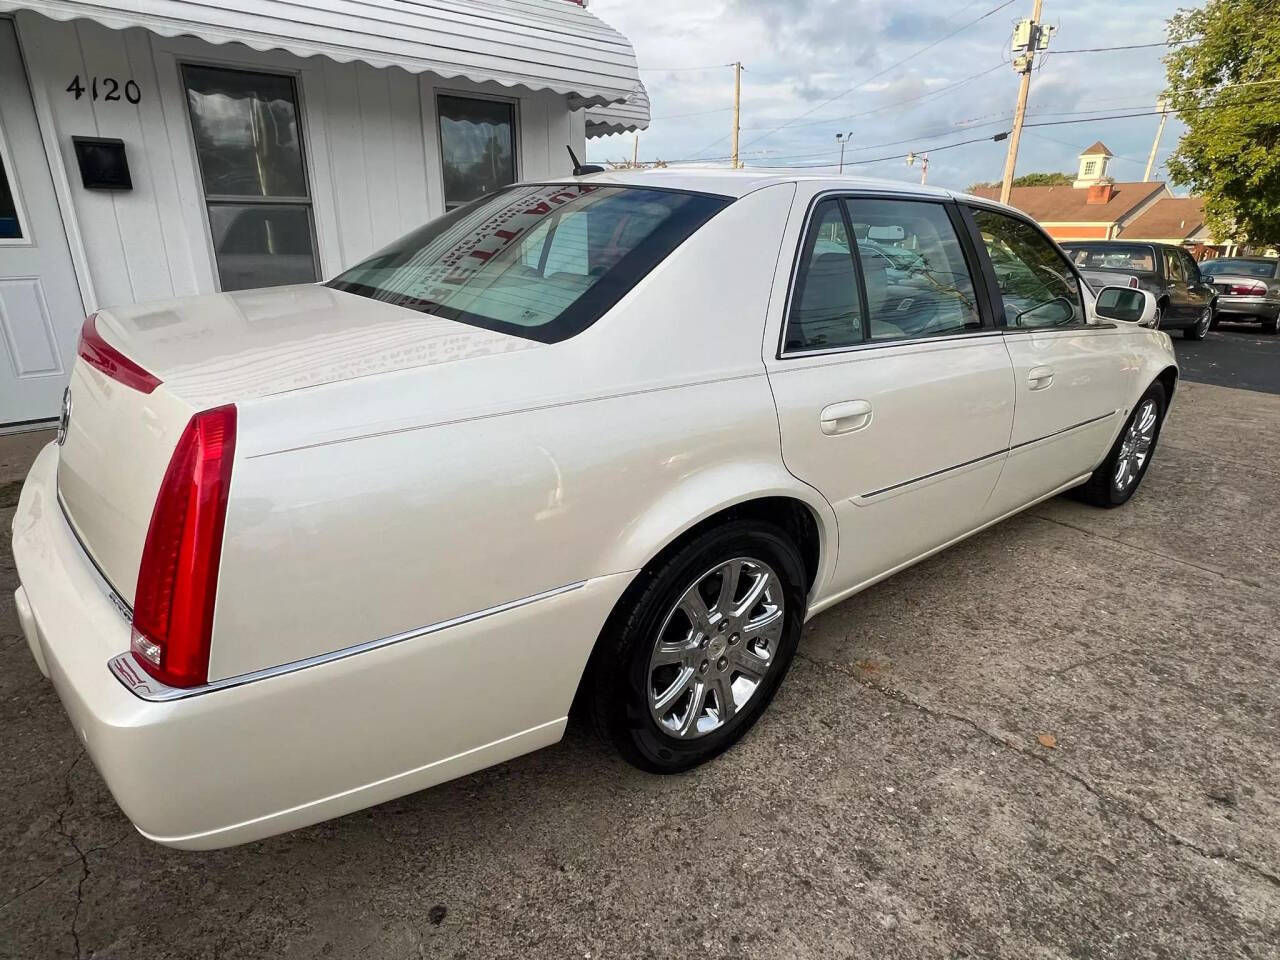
1040 377
845 417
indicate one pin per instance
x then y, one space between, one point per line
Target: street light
842 139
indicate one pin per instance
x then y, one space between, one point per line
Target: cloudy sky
800 53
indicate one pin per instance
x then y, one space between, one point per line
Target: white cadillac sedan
301 550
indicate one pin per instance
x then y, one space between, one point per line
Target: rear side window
1112 258
542 262
1036 283
913 269
826 310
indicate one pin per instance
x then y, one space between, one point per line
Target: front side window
826 308
1174 265
542 262
913 269
249 147
477 147
1036 283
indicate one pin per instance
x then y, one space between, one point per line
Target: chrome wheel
1135 448
715 647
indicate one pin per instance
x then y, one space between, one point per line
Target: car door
893 388
1199 290
1072 375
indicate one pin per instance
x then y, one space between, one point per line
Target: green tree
1222 83
1031 180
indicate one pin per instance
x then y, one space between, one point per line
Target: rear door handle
1040 377
845 417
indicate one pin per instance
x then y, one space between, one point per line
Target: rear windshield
1240 268
542 262
1112 258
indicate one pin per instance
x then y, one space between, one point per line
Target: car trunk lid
206 352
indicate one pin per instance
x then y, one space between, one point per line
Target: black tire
1101 489
616 687
1271 325
1203 324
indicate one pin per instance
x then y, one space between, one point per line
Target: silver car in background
1248 289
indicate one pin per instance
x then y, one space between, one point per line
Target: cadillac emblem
64 418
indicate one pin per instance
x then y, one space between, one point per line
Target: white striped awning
537 44
628 116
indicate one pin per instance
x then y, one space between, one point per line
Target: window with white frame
477 146
248 140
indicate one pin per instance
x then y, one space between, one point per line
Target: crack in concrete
1155 553
60 826
1104 801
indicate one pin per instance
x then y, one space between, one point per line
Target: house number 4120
108 88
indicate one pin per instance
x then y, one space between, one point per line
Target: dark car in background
1248 289
1187 300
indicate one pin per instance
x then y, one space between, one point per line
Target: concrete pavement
1057 739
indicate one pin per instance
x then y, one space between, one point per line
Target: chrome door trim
983 458
935 473
145 687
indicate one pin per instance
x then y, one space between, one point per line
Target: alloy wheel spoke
670 696
695 608
696 705
730 576
670 654
768 625
725 706
758 589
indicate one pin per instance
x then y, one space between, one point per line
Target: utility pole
924 165
842 139
1029 38
635 152
737 106
1163 107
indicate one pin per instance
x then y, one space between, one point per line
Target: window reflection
250 151
477 147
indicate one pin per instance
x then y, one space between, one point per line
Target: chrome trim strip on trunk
146 687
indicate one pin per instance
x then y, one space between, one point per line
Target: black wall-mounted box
103 164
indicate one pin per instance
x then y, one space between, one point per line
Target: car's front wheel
1116 480
695 654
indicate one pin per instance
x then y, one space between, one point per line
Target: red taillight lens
178 576
1247 290
1133 282
103 356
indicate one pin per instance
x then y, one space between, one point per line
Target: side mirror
1129 305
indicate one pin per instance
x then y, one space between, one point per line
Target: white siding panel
371 139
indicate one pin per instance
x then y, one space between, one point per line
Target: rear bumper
238 764
1260 307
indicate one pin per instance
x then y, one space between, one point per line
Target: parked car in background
1248 289
1187 300
609 441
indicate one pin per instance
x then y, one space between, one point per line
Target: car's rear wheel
1116 480
1271 324
1200 328
694 656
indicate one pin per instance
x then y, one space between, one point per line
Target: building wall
370 135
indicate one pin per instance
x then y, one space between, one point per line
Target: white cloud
799 53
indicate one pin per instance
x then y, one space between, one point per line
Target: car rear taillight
1133 282
1247 290
103 356
178 576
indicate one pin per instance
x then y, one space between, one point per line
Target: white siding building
263 142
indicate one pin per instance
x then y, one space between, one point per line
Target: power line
866 80
713 66
1127 46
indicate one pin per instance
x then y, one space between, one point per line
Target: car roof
738 183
